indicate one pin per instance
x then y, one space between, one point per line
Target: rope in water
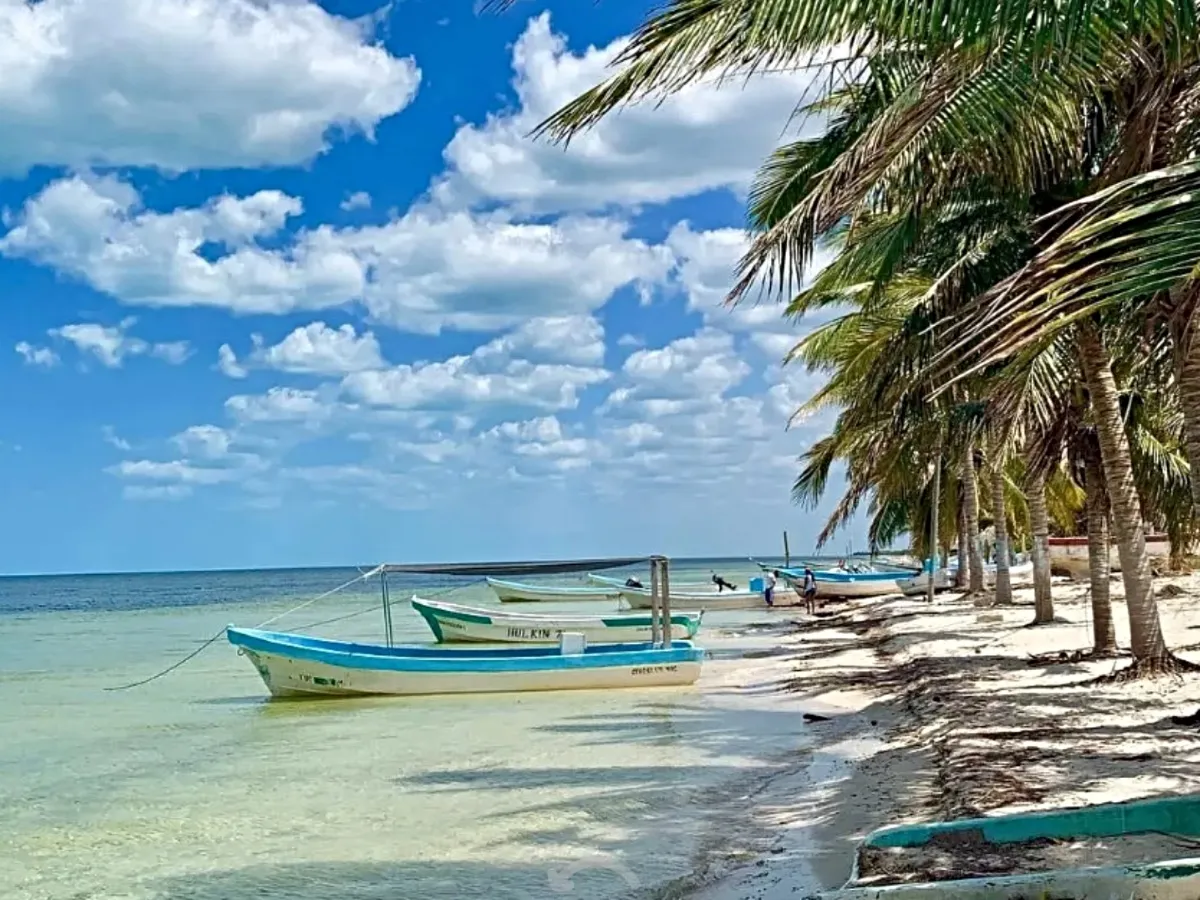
362 576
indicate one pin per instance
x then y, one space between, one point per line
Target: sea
195 786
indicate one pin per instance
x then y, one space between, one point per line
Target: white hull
618 584
463 624
857 589
511 592
640 599
1072 553
1018 573
288 677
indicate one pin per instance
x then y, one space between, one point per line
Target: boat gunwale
477 616
583 590
521 658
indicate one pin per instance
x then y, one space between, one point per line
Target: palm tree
1039 526
992 104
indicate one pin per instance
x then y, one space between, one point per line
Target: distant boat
451 623
294 665
517 592
639 598
619 583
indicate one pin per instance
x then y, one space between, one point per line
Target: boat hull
451 623
516 592
298 666
1070 554
640 599
618 584
848 585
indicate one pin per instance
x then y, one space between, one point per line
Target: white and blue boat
849 584
294 665
451 622
519 592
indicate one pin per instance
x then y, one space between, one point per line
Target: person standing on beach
810 591
770 579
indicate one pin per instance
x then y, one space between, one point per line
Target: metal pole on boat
787 554
387 608
666 602
654 595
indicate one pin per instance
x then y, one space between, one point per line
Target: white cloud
706 270
357 200
36 356
156 491
422 272
313 349
705 365
112 345
208 441
570 339
708 136
227 363
115 440
176 471
464 382
280 404
186 84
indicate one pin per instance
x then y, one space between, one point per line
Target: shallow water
196 786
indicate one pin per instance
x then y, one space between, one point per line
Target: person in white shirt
770 579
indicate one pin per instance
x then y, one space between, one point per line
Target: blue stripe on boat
434 659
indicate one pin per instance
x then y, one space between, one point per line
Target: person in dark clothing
722 584
810 591
633 583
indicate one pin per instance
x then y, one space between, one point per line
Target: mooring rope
362 576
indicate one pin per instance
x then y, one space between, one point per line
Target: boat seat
572 643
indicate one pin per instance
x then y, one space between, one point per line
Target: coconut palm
942 109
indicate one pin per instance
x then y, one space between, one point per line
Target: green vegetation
1016 198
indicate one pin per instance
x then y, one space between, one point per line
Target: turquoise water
196 786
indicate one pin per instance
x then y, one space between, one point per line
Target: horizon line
366 568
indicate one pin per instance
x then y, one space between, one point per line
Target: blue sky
289 284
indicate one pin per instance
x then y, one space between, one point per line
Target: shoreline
955 711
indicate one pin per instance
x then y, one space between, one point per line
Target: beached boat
639 598
450 622
847 584
1070 554
294 665
619 583
518 592
1018 573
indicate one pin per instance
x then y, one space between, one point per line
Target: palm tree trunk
1039 524
1146 637
964 570
1000 523
971 513
934 516
1104 637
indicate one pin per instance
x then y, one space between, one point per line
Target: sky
290 284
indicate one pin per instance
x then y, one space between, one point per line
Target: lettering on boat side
560 878
651 670
446 623
323 682
532 633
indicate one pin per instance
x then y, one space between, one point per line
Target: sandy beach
953 711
